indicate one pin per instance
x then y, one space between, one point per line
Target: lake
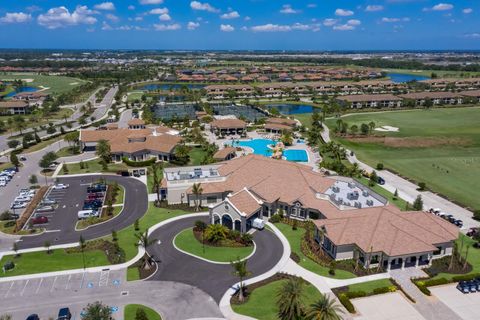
289 109
404 77
168 86
20 90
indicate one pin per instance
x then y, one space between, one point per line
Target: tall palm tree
324 309
156 179
240 270
197 191
144 241
289 299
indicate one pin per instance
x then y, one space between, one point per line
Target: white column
417 261
388 265
404 260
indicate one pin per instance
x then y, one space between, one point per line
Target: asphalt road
214 279
136 204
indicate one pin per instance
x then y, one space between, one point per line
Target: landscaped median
228 249
138 311
95 256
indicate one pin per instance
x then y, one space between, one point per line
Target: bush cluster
138 164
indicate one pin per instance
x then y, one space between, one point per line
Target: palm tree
197 191
324 309
156 179
289 299
240 270
144 241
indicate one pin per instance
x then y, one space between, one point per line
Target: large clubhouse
352 221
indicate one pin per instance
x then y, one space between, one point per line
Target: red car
40 220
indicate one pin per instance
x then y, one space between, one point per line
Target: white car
3 183
60 186
22 199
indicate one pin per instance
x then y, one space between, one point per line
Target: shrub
9 224
466 277
145 163
246 238
6 215
200 225
346 302
384 290
276 218
435 282
380 166
216 233
422 186
9 265
356 294
476 215
422 287
294 225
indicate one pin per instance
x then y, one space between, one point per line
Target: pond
20 90
405 77
288 109
169 86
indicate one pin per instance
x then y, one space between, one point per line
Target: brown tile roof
223 153
245 202
389 230
136 122
430 95
228 123
369 97
277 126
470 93
13 104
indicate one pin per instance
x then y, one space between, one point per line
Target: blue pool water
289 109
167 86
403 77
260 147
296 155
19 90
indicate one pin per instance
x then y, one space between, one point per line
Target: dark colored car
33 317
64 314
40 220
472 232
381 181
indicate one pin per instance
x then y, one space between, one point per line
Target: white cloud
167 27
287 9
467 10
146 2
271 28
474 35
247 18
373 8
112 17
226 28
196 5
343 12
165 17
329 22
391 20
106 26
193 25
311 5
130 7
159 11
15 17
440 7
60 17
306 27
230 15
138 18
108 6
344 27
354 22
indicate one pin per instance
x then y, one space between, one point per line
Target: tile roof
245 202
223 153
135 122
228 123
369 97
13 104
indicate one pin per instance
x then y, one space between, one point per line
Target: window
374 259
438 251
211 199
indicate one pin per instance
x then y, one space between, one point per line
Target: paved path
408 191
125 116
429 307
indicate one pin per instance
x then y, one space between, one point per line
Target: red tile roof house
134 144
436 97
371 101
14 107
352 222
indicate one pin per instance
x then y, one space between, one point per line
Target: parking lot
105 283
467 306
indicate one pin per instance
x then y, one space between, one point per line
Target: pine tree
418 203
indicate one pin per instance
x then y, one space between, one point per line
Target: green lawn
294 237
120 195
186 241
305 119
55 84
428 73
94 166
67 152
262 301
131 309
36 262
133 274
134 95
196 156
369 286
452 168
400 203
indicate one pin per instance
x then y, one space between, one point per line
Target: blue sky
241 24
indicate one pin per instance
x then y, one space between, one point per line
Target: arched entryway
238 225
227 221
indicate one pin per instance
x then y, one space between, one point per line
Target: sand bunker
412 142
387 129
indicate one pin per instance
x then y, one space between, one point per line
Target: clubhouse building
352 221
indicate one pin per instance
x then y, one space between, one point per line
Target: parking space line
39 285
6 294
23 290
83 278
53 284
68 281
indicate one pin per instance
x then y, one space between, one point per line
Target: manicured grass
56 84
294 237
134 95
120 195
133 274
41 145
451 169
428 73
94 166
5 165
186 241
196 156
131 310
369 286
305 119
473 256
400 203
57 260
262 301
67 152
36 262
82 224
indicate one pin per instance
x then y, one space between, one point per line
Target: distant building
437 97
14 107
360 101
228 126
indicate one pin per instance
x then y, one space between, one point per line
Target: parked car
44 209
22 158
22 199
85 214
40 220
33 317
3 183
18 205
472 232
60 186
458 223
258 224
381 181
64 314
48 201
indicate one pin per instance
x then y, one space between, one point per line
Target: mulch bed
250 288
224 243
143 274
441 266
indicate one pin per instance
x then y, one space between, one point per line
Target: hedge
346 302
465 277
137 164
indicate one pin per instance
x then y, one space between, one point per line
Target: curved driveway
136 205
214 279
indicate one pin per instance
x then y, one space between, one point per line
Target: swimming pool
260 147
296 155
